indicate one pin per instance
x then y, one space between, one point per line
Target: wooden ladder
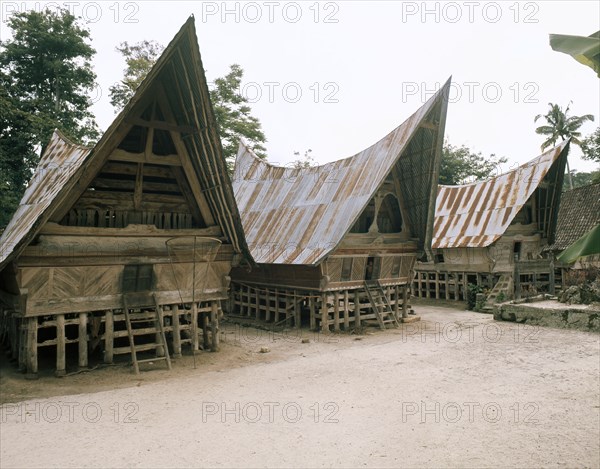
380 304
158 330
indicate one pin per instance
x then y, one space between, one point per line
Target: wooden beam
161 125
190 174
137 192
129 157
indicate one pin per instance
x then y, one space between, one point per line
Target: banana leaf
587 245
585 50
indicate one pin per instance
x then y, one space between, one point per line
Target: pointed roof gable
66 170
298 216
477 214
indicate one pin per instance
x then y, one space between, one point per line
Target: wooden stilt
194 327
31 348
22 331
297 310
405 301
346 311
397 304
109 329
356 308
336 311
324 314
176 331
437 286
205 340
61 365
257 312
214 326
83 341
312 318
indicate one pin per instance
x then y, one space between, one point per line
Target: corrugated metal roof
64 166
579 212
477 214
297 216
60 161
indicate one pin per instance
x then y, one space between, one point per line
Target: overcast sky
336 77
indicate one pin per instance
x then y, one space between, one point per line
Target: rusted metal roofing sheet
477 214
64 164
297 216
59 162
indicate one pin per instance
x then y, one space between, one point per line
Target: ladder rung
147 360
138 348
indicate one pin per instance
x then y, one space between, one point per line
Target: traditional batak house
578 216
491 233
131 239
336 244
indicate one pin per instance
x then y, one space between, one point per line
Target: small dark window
439 258
396 267
517 250
373 268
137 278
346 269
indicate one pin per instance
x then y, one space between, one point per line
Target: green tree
306 162
139 59
590 146
461 165
46 79
583 179
560 125
234 117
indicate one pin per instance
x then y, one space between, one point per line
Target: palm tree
561 126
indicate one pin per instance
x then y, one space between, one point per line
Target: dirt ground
455 390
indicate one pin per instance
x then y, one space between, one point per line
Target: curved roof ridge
535 160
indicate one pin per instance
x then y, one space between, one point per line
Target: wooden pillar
465 286
160 350
357 308
268 306
405 301
194 327
176 331
61 365
551 279
346 311
83 342
257 294
31 348
109 329
437 286
397 304
297 310
419 285
324 314
446 292
336 311
214 326
456 288
313 319
276 305
205 339
22 331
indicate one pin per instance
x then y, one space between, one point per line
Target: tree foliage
590 146
583 179
234 117
460 165
305 162
45 81
560 125
139 59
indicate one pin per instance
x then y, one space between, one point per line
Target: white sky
369 65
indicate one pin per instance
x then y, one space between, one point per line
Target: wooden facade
492 234
335 245
141 229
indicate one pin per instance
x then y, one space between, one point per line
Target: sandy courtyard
456 390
